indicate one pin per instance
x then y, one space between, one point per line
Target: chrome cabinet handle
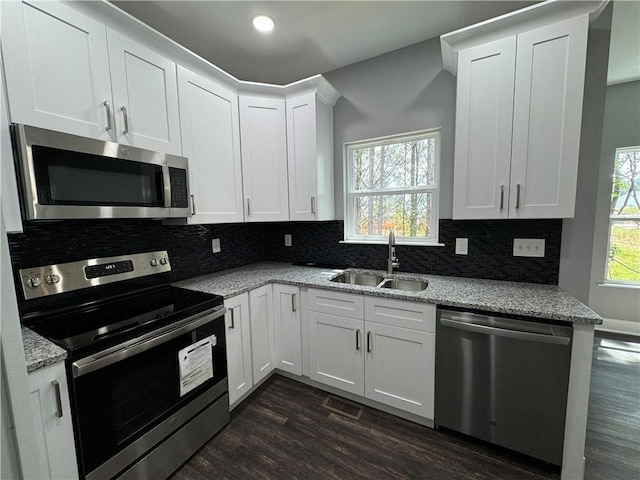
517 195
233 323
369 345
125 119
293 302
501 197
107 107
313 205
249 207
193 205
357 339
56 389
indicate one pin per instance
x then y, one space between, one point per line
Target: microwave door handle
166 181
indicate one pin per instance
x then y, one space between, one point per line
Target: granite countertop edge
515 298
40 352
525 299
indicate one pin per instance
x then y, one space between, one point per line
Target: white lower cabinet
52 417
288 328
382 360
262 332
238 339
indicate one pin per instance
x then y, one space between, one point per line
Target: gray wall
401 91
621 129
577 232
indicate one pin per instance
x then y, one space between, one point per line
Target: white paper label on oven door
196 365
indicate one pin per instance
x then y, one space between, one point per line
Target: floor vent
344 407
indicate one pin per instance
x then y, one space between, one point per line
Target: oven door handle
134 347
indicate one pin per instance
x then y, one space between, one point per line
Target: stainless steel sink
403 284
366 279
372 280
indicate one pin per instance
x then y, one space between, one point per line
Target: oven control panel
65 277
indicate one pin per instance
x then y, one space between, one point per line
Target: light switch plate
287 239
528 247
215 245
462 246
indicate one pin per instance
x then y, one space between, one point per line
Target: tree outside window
392 185
623 264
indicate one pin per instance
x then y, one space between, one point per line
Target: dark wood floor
283 432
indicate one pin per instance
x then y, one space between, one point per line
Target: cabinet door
302 155
547 117
264 158
484 109
145 96
238 337
262 332
57 68
54 428
288 329
210 126
336 351
400 368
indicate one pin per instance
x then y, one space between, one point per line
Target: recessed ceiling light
263 23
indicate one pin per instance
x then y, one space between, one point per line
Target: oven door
123 397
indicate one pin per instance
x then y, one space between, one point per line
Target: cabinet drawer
401 313
337 303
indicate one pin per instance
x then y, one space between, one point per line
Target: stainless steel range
146 361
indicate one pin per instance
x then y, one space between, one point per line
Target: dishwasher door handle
502 332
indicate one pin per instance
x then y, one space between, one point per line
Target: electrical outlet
528 247
287 239
462 246
215 245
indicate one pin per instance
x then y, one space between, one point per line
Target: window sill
398 242
618 285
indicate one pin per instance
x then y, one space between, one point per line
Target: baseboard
625 327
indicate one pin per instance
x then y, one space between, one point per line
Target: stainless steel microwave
65 176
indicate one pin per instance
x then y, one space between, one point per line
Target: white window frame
612 219
349 195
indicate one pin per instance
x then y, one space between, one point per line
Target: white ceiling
311 36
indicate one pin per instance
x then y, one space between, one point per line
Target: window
623 263
392 183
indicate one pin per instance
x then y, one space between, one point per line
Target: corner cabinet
264 158
288 328
61 68
518 113
263 351
210 124
52 417
310 153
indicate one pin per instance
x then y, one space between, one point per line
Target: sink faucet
392 261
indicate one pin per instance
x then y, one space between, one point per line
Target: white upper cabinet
264 158
145 96
310 154
57 68
484 110
210 127
519 111
547 116
67 72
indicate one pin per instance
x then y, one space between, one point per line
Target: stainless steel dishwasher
504 381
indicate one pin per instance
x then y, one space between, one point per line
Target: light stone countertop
526 299
515 298
40 352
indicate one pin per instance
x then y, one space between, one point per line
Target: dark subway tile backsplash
189 247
